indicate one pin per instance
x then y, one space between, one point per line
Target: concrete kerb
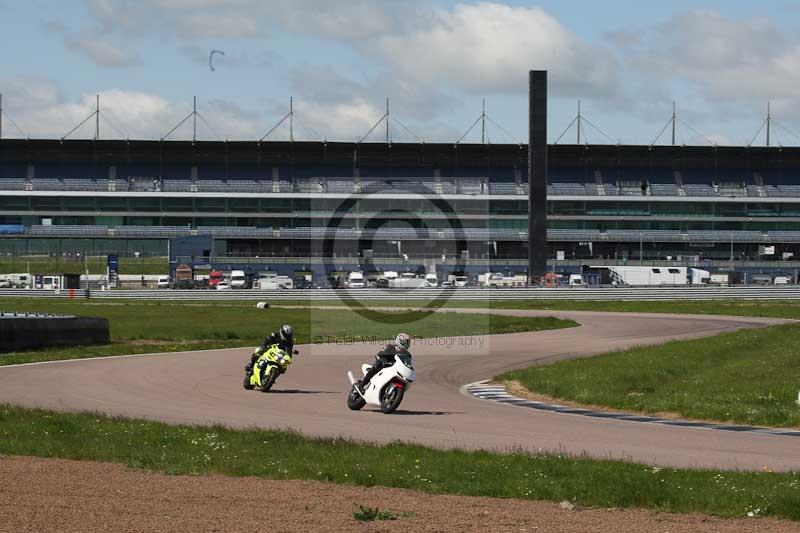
481 390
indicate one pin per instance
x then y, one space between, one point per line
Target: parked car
223 286
163 282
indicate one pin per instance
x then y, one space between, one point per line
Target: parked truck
498 280
184 277
407 280
214 277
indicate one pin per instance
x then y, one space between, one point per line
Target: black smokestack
537 176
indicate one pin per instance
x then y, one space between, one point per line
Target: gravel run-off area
82 496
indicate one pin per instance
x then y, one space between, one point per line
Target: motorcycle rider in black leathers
385 357
284 338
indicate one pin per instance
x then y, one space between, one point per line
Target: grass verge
747 377
43 264
739 307
200 450
152 327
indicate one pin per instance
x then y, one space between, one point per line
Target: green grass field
148 327
284 455
747 377
38 264
739 307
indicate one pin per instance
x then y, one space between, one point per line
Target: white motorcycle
386 388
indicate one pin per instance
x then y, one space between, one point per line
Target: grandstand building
462 204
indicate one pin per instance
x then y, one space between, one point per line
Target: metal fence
592 293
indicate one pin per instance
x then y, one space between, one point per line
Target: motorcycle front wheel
391 399
354 400
269 379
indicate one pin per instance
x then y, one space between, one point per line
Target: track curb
498 393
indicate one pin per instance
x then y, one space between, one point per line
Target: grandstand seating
144 184
664 189
308 185
732 189
644 235
567 189
695 189
249 185
502 187
47 184
610 190
448 187
560 234
725 236
152 231
409 233
13 184
234 231
339 186
754 191
119 185
69 231
372 186
175 185
792 191
212 186
470 186
781 236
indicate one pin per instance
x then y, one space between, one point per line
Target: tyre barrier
25 331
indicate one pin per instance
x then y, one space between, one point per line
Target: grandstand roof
390 155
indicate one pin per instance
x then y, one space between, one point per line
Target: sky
627 61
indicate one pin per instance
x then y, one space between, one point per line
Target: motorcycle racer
385 357
283 338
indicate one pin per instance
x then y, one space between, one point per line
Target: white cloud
37 106
218 25
346 120
102 52
490 47
727 60
197 19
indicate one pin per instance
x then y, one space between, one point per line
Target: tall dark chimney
537 176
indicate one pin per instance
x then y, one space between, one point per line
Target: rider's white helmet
403 340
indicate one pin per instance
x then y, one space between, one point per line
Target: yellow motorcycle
269 365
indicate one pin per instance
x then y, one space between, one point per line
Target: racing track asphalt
310 397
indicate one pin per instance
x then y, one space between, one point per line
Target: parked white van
355 280
237 279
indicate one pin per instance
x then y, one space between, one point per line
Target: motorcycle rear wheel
269 379
354 400
247 384
391 399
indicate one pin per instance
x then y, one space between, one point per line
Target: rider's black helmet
287 333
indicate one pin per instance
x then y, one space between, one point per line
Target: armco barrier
23 332
401 295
